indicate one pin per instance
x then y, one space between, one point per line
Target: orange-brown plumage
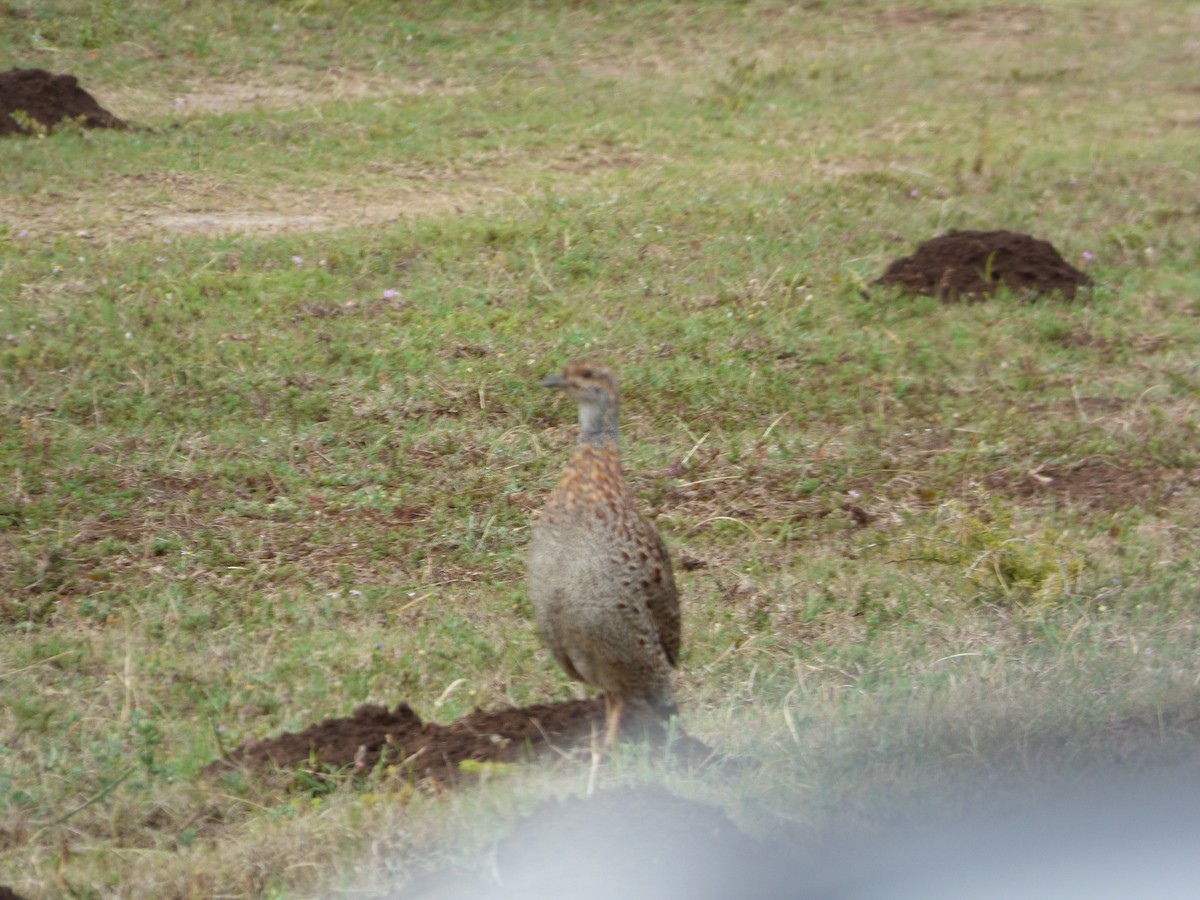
600 578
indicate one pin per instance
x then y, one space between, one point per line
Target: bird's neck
598 424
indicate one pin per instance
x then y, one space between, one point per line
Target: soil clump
444 753
47 99
972 265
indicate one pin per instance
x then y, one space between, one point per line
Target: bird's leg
614 708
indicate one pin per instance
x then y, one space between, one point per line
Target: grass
272 426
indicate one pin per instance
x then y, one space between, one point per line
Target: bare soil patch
327 210
48 99
427 751
1098 484
990 22
229 209
972 265
1085 338
304 87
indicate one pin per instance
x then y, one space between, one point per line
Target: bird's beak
555 381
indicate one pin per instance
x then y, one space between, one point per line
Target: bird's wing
662 599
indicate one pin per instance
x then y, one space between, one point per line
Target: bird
599 577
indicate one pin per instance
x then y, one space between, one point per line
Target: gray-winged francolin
599 577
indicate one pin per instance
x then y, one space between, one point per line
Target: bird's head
594 388
585 382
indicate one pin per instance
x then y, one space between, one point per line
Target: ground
274 354
953 266
956 265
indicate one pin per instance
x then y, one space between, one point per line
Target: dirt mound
48 99
633 842
438 752
973 264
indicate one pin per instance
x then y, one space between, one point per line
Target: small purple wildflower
1088 256
298 260
24 232
915 192
390 294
